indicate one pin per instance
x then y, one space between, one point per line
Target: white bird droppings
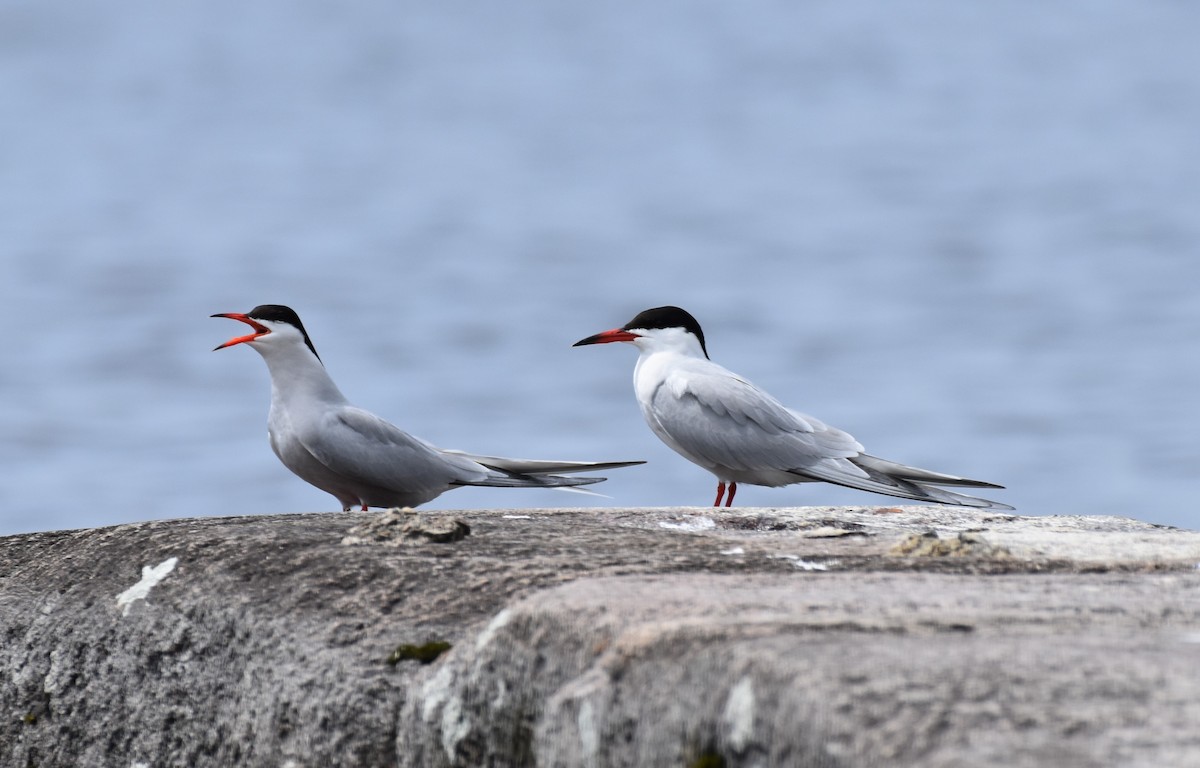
690 524
589 738
806 565
455 726
150 578
498 622
739 713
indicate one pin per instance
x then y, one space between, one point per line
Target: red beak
606 337
259 329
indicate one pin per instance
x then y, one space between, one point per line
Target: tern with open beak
355 455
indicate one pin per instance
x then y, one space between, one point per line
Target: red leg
364 509
720 493
732 490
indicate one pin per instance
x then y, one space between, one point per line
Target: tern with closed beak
355 455
720 421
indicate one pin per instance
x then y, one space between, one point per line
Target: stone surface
875 636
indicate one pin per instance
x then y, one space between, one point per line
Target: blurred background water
965 232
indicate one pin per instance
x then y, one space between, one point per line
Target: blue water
965 232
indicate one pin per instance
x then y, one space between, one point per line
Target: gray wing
916 475
540 466
725 421
722 420
877 481
359 445
362 447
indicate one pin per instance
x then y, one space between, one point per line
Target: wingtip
970 502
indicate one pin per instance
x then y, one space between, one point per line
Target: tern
355 455
720 421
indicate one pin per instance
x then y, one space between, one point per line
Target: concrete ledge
898 636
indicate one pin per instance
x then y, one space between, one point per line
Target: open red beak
259 329
606 337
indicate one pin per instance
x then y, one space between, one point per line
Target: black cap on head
277 313
668 317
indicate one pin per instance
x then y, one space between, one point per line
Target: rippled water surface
967 233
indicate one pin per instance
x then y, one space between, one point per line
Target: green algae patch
708 760
425 653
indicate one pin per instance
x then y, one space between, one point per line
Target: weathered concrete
755 637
